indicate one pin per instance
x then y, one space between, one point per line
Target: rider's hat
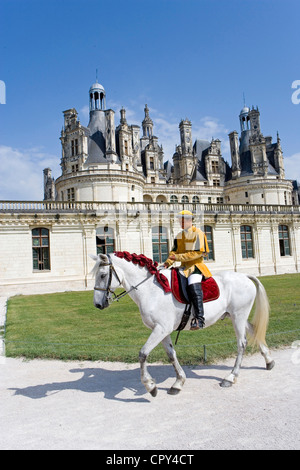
185 214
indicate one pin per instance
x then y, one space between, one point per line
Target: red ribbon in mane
143 261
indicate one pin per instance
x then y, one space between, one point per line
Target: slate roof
200 148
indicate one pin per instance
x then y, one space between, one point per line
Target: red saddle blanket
209 286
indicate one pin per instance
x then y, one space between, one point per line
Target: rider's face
186 222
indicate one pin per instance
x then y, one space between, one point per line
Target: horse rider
190 246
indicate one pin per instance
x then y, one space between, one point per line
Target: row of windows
195 199
173 199
184 199
247 241
105 243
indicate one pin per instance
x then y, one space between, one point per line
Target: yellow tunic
189 247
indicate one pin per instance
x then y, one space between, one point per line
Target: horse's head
106 280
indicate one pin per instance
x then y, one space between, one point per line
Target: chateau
117 191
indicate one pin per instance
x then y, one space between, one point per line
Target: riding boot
196 297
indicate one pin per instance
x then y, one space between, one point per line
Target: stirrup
196 324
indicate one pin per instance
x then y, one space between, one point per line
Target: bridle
107 289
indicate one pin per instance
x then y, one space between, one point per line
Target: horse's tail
261 315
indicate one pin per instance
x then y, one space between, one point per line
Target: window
195 200
216 182
246 241
160 246
215 166
220 200
185 200
284 240
74 146
209 236
174 199
71 194
40 249
105 240
126 147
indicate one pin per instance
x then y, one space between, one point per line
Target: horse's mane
143 261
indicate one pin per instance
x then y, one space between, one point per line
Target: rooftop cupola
97 97
244 119
147 124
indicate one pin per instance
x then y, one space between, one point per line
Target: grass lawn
68 326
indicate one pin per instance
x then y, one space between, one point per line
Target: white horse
162 313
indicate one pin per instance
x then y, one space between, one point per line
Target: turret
49 185
147 124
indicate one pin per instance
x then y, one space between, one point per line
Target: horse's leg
177 387
263 349
240 330
157 335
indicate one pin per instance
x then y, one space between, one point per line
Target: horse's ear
94 257
103 258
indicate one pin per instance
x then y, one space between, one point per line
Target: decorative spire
147 123
123 116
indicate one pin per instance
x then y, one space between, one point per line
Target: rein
108 290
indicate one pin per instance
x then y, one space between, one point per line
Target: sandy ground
98 405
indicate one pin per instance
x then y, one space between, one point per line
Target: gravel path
98 405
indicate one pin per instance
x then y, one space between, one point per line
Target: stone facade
117 192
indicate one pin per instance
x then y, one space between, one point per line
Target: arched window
210 242
174 199
284 240
184 200
247 241
161 198
40 249
105 240
195 200
160 245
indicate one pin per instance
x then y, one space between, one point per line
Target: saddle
179 285
179 288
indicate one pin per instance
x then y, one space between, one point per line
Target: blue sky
184 58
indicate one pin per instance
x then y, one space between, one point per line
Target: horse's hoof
226 383
270 365
174 391
154 392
